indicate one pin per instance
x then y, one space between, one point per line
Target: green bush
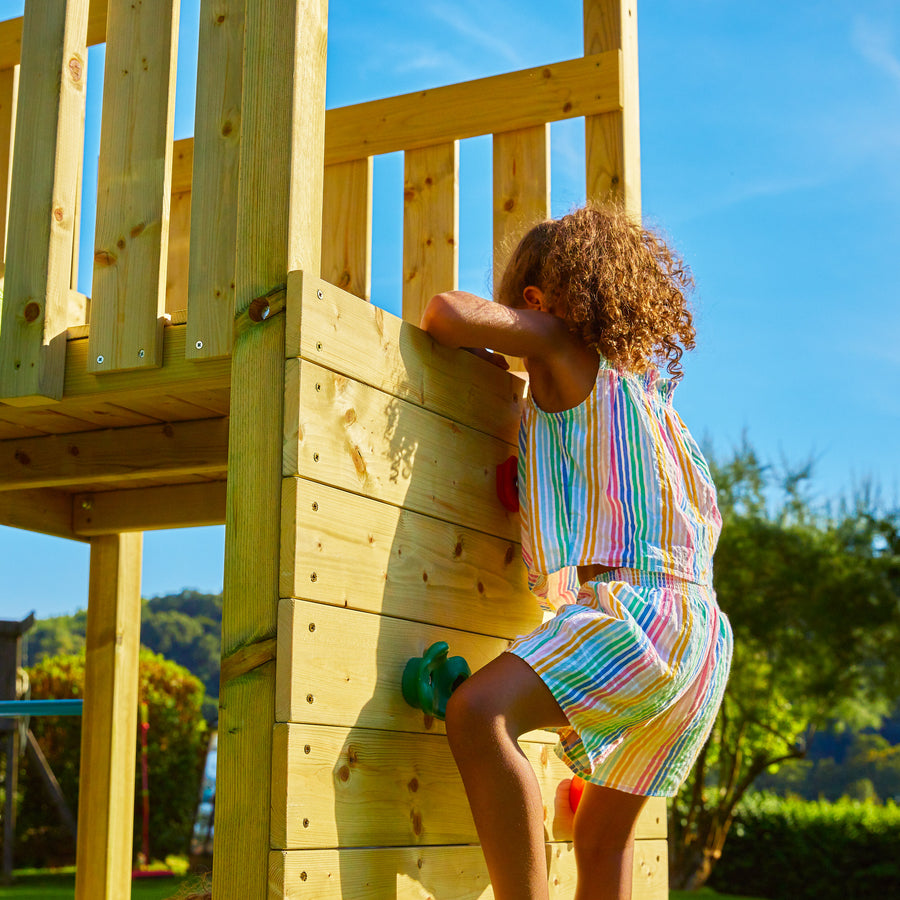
791 849
176 747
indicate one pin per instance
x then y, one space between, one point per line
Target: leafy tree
176 749
813 599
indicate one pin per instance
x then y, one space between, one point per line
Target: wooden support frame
280 211
106 798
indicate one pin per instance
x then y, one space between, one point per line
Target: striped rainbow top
618 481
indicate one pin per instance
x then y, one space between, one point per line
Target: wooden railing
167 213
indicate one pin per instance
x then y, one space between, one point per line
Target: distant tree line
185 628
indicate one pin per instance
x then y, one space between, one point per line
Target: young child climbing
619 524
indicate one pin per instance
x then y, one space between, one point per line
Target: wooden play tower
228 367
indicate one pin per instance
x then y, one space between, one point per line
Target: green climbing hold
429 680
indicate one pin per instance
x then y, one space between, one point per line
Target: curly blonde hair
624 289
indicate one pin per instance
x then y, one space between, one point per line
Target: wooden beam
279 211
403 564
430 225
44 510
148 509
407 784
106 794
214 219
562 90
347 226
411 873
42 208
612 138
134 182
115 455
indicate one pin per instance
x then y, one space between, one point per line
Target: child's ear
534 297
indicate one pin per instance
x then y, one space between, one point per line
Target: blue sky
770 140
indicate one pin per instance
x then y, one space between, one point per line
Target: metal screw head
318 386
319 294
318 345
87 503
99 360
312 626
315 457
199 345
141 354
313 577
315 506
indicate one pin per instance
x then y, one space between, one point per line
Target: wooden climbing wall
390 471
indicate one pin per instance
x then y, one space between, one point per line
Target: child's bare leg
604 842
485 716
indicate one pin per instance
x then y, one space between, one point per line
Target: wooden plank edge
44 510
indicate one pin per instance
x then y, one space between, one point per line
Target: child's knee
470 716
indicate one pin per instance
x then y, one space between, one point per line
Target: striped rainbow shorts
639 666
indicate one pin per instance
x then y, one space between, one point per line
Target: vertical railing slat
9 88
347 226
430 225
214 192
42 205
133 185
613 140
521 188
521 193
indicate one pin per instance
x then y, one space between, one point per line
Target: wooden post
9 89
109 723
42 206
280 226
613 140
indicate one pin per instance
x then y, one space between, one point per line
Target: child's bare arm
459 319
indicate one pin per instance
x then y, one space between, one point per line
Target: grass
49 885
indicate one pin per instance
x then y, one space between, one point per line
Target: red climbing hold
508 483
576 789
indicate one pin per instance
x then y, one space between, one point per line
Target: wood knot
168 431
32 312
416 819
120 243
480 588
58 213
344 773
358 463
104 258
458 549
352 755
510 554
137 230
73 450
76 69
567 107
22 457
413 784
509 205
227 128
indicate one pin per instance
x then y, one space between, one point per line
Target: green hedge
789 849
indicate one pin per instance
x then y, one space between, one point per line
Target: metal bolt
199 345
99 360
319 294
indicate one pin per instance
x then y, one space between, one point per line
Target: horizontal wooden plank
445 873
378 557
345 787
563 90
344 667
47 511
177 374
149 509
116 455
342 332
345 433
